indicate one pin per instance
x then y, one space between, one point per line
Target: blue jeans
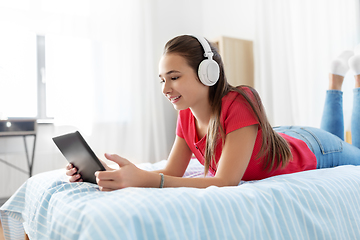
328 143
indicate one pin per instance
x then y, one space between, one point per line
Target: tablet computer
77 152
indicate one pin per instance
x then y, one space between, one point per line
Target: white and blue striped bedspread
317 204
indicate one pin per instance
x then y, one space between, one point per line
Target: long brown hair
275 148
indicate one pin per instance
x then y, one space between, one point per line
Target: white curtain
101 73
104 81
294 44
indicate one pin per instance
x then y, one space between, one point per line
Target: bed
316 204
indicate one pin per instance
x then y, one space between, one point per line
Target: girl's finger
104 189
75 178
71 171
69 166
107 184
105 175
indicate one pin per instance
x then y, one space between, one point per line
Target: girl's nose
166 88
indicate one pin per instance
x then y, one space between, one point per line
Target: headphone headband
207 49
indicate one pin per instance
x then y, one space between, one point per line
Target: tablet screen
77 152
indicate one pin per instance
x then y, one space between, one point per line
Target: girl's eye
172 78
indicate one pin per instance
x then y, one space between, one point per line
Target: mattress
316 204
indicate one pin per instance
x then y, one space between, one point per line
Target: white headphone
208 70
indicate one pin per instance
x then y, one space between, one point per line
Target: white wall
209 18
231 18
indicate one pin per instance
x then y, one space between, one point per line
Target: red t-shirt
236 113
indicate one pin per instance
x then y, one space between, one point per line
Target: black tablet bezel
74 148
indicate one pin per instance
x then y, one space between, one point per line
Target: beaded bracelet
162 180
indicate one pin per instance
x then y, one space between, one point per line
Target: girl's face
180 83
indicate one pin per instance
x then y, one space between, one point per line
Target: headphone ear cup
209 72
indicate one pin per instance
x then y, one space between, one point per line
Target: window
18 77
22 74
41 78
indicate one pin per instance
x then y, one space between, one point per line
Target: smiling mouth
174 99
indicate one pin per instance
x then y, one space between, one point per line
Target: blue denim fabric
333 116
328 143
355 119
330 150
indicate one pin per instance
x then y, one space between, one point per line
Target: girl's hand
71 171
105 165
128 175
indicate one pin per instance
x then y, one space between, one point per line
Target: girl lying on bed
226 128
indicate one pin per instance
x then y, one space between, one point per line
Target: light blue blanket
317 204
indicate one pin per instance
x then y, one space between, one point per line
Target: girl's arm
234 160
178 159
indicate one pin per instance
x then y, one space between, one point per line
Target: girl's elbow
233 183
226 182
